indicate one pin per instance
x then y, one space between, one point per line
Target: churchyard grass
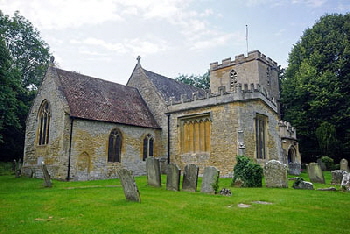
100 207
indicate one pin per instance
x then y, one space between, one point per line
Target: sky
102 38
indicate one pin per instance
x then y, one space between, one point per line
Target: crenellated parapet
241 92
239 59
286 130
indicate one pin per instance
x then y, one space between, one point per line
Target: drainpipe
70 146
168 138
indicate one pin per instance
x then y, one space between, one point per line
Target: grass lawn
100 207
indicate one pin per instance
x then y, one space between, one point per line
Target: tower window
44 123
114 146
260 131
233 79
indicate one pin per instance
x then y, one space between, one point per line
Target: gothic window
114 146
195 134
260 130
44 123
233 79
148 145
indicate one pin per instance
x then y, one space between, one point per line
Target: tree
200 81
24 58
315 88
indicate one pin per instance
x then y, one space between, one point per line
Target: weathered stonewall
46 175
129 186
315 173
173 177
153 171
276 174
344 165
190 178
337 176
210 182
345 184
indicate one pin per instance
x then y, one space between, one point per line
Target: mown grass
100 207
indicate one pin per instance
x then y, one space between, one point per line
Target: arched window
114 146
233 79
148 143
44 123
291 154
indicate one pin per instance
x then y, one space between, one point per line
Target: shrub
248 173
328 162
6 168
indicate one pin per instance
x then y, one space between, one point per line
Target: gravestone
190 178
321 164
129 186
301 184
17 168
345 184
344 165
276 174
46 175
315 173
173 177
337 176
294 168
153 172
210 182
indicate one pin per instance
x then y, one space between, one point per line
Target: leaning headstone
173 177
210 182
276 174
345 184
321 164
129 186
153 172
190 178
301 184
344 165
46 175
337 176
315 173
294 169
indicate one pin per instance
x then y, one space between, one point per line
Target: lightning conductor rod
246 36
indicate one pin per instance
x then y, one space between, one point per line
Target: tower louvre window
233 79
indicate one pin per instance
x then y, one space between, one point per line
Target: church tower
255 69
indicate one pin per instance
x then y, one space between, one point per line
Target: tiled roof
101 100
171 88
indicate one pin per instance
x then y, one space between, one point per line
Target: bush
248 173
6 168
328 162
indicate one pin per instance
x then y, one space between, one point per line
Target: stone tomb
337 176
344 165
153 172
210 182
190 178
129 186
173 177
46 175
345 184
276 174
315 173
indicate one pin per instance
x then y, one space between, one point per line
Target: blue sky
102 38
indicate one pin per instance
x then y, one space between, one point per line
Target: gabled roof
171 88
101 100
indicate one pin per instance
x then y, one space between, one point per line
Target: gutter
168 138
70 146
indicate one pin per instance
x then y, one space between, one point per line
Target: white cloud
310 3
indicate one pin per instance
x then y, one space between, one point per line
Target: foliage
315 88
6 168
99 206
24 59
328 162
249 173
200 81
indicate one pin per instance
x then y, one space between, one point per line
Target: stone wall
228 118
55 154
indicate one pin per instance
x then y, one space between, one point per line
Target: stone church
86 128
